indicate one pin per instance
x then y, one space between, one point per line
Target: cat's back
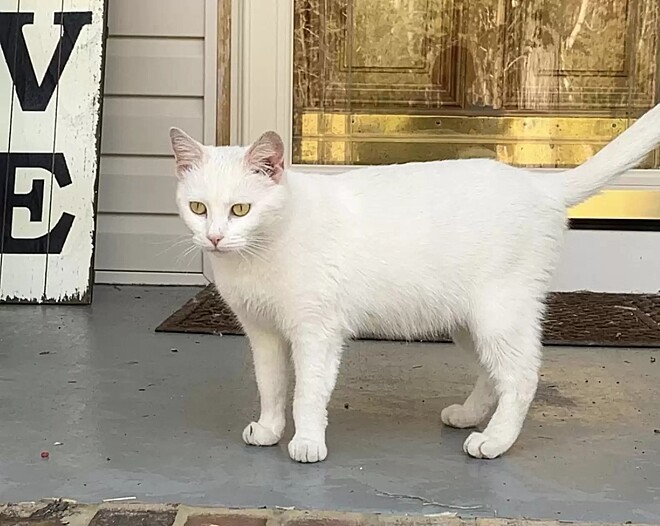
422 178
450 186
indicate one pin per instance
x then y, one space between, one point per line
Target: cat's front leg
269 352
316 355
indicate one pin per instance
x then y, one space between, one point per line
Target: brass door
378 81
537 83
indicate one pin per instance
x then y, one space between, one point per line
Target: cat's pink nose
215 239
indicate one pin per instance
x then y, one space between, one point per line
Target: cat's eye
240 209
198 208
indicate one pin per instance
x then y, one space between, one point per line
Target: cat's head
230 197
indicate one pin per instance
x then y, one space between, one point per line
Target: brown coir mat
573 318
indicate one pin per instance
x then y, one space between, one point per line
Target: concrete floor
137 419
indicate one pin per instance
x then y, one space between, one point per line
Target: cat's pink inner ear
188 153
267 155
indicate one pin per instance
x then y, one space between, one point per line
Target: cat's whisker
254 252
243 251
242 256
254 256
254 249
177 246
191 251
259 241
179 241
176 241
259 244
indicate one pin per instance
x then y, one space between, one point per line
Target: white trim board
210 81
104 277
601 261
609 261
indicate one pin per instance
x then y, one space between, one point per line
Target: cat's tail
625 152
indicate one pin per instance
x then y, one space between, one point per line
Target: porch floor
159 417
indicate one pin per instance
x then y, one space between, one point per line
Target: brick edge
72 513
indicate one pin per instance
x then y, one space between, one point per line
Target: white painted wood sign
51 72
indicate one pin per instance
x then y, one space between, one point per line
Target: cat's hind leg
507 335
480 402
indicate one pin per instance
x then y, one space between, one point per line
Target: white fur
464 246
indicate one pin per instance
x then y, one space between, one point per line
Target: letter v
32 95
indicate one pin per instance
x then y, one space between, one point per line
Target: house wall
160 72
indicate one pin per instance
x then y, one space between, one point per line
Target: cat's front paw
256 434
307 450
481 445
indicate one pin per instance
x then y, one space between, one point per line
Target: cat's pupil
198 208
240 209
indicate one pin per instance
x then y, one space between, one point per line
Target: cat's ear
267 155
188 153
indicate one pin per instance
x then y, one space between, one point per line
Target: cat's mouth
220 249
217 250
226 246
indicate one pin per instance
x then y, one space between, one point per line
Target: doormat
573 318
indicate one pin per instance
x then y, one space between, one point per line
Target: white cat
307 261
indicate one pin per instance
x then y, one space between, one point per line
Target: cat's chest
248 291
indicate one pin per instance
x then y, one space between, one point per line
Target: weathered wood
51 72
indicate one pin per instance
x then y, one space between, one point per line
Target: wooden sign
51 70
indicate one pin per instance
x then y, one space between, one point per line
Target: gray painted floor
137 419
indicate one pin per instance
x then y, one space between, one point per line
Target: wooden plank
139 125
6 99
223 118
31 139
134 185
68 273
145 243
155 66
170 18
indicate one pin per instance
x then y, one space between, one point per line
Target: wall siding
157 54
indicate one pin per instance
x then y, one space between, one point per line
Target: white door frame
262 94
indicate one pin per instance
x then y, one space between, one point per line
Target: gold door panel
537 83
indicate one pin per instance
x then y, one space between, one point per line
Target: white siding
159 73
